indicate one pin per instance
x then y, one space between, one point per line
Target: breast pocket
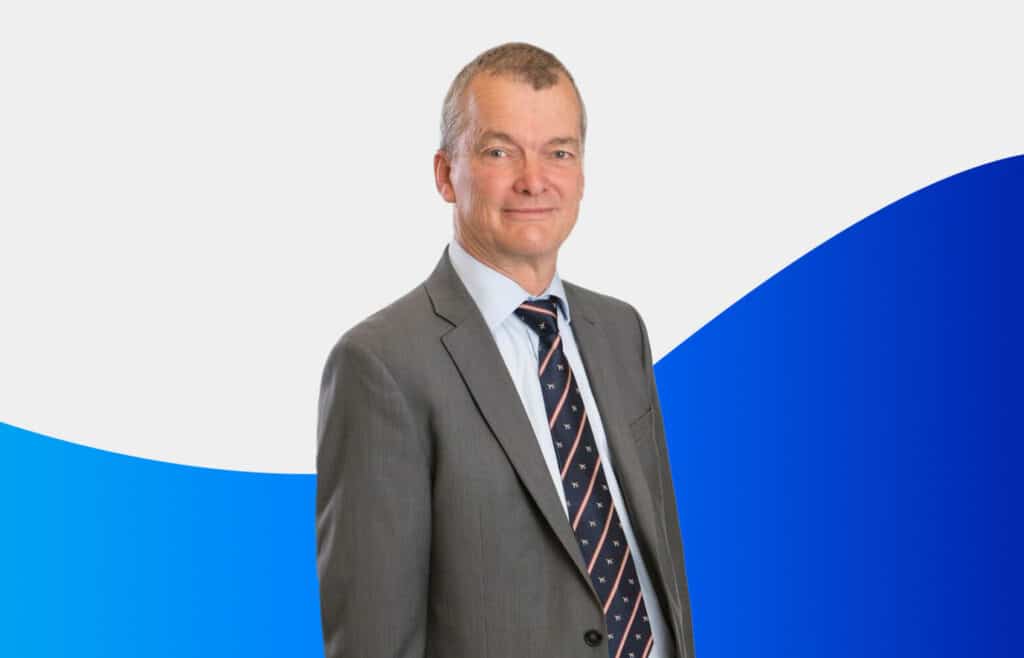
648 452
642 426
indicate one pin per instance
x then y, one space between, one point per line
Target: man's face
516 177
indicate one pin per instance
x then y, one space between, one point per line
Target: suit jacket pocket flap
641 426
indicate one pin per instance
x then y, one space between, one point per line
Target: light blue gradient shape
109 555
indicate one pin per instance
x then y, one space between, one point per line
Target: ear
443 176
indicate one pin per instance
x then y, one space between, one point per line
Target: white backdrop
198 198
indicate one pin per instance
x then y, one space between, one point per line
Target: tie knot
541 315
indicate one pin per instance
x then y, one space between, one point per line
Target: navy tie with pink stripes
589 502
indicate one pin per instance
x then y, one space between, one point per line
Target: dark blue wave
846 439
845 442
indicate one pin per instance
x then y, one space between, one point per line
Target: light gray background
197 198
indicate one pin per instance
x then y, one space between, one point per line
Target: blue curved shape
107 555
845 444
846 439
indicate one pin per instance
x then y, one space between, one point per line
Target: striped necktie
588 501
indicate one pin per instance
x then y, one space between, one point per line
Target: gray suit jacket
439 531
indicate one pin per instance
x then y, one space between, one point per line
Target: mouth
527 212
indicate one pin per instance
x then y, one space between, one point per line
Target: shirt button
592 638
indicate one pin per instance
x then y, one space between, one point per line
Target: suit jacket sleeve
675 541
372 511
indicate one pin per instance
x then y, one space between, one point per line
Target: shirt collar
496 295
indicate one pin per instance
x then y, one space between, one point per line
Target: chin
533 240
531 248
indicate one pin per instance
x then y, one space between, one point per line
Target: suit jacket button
592 638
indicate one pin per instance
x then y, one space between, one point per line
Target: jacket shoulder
604 308
395 332
620 320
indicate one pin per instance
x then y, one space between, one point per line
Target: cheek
570 184
490 187
480 197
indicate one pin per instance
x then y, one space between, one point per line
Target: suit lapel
597 357
472 348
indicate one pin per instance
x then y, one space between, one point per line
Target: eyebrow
564 141
489 135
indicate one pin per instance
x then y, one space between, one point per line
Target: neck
533 275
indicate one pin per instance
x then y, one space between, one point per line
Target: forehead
501 103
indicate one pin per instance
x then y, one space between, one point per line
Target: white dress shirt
497 297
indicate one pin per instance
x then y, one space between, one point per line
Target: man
493 473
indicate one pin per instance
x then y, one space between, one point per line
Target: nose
531 180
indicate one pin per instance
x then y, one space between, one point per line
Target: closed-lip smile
528 211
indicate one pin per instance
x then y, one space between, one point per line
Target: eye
497 153
563 155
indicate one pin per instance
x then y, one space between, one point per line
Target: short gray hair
521 61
